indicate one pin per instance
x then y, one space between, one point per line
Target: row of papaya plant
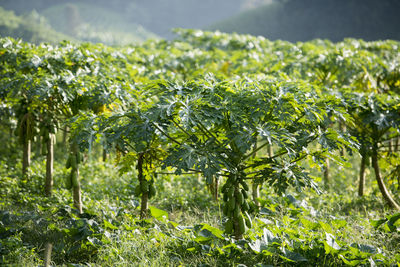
267 107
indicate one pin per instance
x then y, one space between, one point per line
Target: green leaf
330 244
349 262
109 225
158 214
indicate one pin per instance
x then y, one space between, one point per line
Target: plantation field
211 149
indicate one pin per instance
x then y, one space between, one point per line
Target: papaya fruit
152 190
138 191
144 186
68 181
231 203
68 163
244 184
74 178
242 226
229 227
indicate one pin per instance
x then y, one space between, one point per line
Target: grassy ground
301 229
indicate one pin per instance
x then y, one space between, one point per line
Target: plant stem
386 195
361 184
49 165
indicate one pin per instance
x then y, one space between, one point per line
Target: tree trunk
76 187
256 194
327 176
47 254
26 157
49 165
215 188
145 193
77 197
270 152
361 184
386 195
236 227
104 155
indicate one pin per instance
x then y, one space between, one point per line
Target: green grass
109 233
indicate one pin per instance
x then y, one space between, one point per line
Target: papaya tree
219 128
375 117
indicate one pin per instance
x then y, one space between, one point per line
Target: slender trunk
216 185
361 184
49 165
104 155
76 187
38 152
327 176
270 152
65 134
145 193
47 254
396 145
390 147
386 195
77 197
26 157
236 227
256 194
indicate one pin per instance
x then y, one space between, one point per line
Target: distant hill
157 16
302 20
31 28
89 22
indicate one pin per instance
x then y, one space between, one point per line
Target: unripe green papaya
225 196
236 212
225 187
152 190
229 227
68 181
78 157
231 191
239 198
231 203
245 206
74 178
144 186
73 162
68 163
138 191
244 184
225 209
241 223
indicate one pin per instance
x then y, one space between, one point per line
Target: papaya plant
375 117
218 128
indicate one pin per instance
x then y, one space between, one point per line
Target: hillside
31 28
89 22
302 20
156 16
